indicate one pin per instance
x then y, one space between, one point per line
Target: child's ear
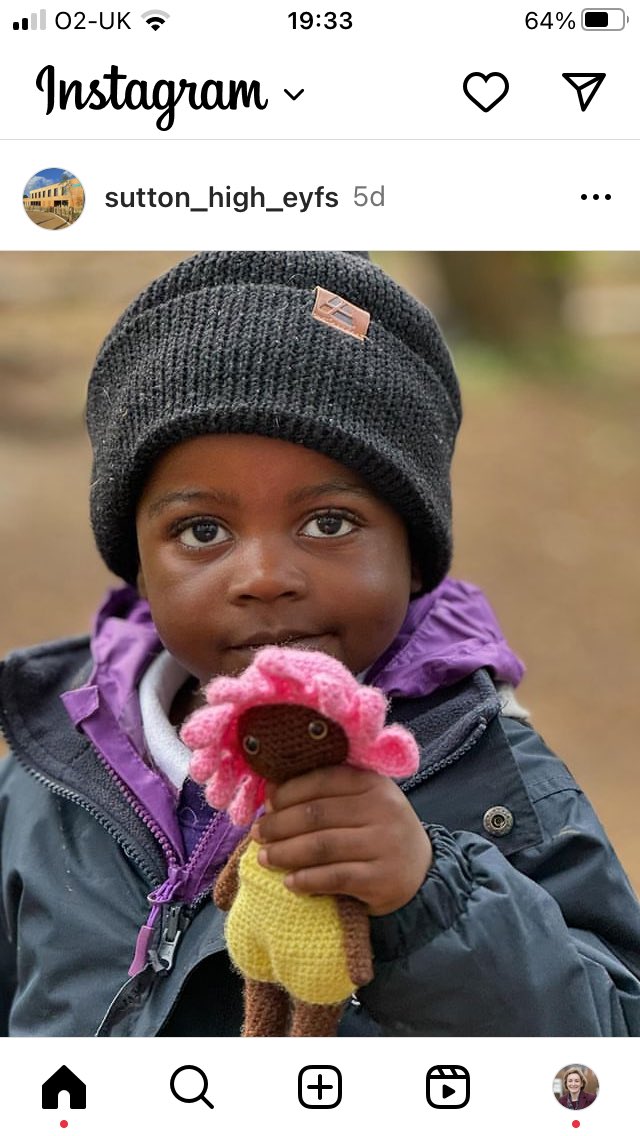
141 585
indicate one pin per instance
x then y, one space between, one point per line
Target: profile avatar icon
53 198
575 1087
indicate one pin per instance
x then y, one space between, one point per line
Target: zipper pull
174 921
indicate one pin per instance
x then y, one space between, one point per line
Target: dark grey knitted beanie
226 343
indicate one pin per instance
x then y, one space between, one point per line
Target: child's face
245 540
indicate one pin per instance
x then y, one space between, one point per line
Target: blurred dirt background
546 476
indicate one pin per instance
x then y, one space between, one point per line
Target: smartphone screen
319 548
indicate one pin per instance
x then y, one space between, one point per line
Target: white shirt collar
158 687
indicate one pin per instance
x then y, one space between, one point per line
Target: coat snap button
498 820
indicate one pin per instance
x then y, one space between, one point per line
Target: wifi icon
155 18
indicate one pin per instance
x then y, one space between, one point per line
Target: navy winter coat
523 928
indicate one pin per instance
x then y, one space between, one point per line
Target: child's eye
201 534
330 524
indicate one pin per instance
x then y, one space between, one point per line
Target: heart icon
486 91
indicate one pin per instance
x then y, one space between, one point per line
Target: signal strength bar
32 23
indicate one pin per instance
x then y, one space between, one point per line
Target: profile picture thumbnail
575 1087
53 198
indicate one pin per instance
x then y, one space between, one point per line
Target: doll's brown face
245 540
283 741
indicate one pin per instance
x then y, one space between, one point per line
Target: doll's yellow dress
295 941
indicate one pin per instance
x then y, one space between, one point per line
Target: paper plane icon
586 85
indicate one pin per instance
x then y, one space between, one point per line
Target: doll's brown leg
226 887
266 1009
315 1021
357 939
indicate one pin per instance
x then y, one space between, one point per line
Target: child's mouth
299 639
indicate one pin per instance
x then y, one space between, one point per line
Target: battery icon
604 19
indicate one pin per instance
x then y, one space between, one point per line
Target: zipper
175 917
175 920
157 832
197 852
69 795
77 798
141 813
135 989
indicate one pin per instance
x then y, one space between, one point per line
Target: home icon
64 1080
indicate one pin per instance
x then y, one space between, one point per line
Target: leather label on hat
336 312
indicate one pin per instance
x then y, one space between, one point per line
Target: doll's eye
317 729
330 523
200 534
250 745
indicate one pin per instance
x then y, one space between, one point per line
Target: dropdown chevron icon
296 96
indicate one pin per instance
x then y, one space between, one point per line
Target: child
272 437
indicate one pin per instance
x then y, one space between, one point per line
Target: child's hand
345 831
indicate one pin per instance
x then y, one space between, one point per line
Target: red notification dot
575 1123
64 1123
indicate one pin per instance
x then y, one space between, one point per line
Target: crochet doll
289 712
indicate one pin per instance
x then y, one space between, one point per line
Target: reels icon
448 1086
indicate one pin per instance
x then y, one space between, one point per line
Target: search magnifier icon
193 1098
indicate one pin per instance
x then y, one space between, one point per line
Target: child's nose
265 569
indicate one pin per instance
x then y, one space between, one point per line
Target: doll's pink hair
308 678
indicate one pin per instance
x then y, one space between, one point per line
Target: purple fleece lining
145 783
446 635
107 709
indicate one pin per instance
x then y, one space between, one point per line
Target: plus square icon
320 1086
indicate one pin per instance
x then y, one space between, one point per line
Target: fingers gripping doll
291 711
